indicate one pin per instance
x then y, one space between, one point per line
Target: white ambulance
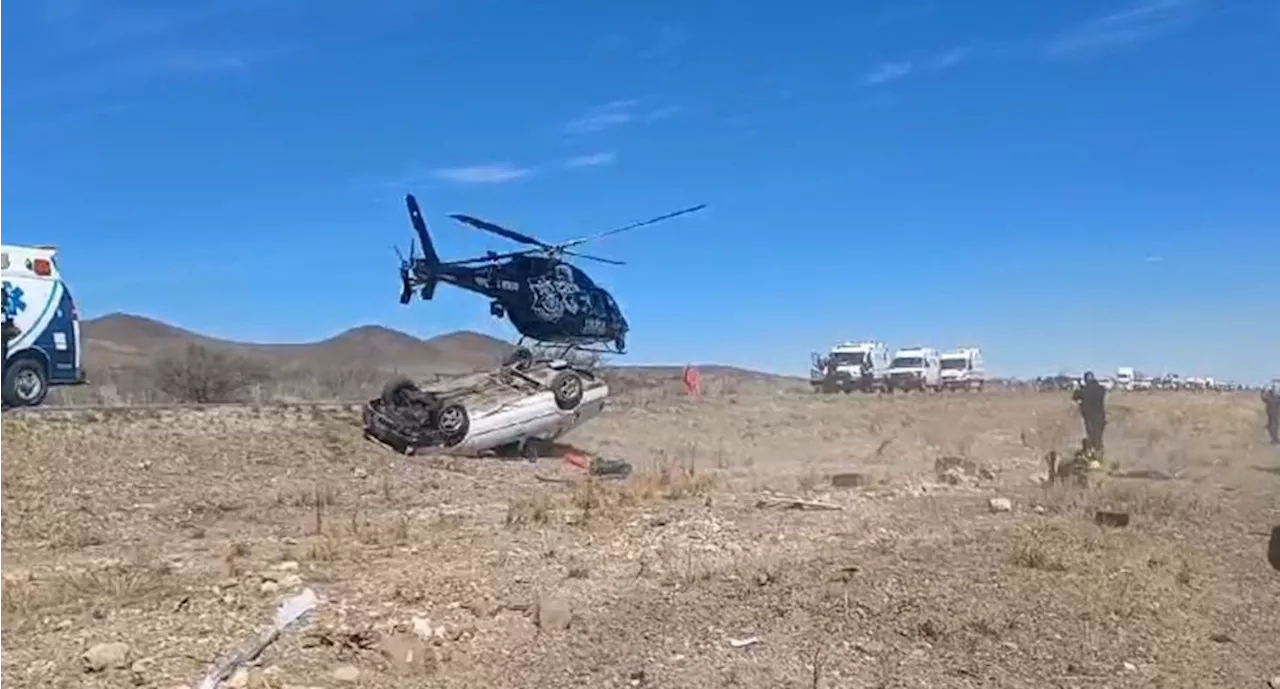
41 326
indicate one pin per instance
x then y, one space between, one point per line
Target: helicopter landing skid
529 350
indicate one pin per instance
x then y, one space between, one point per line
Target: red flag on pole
692 381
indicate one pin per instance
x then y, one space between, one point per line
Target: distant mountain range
122 340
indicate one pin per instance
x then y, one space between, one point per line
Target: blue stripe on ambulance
58 342
54 333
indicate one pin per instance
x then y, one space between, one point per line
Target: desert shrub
204 375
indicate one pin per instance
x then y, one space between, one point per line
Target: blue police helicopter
546 298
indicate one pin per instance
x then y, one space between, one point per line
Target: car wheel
567 388
453 422
394 392
520 359
25 383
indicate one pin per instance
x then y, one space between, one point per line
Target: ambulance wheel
25 383
567 388
453 422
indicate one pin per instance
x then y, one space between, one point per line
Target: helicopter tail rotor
418 271
420 228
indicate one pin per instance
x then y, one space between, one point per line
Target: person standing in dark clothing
1271 400
1092 397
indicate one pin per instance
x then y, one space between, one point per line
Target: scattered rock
287 566
1000 504
238 679
269 586
553 613
291 581
425 630
483 608
348 674
406 653
1130 667
743 643
108 656
461 632
1039 509
1275 681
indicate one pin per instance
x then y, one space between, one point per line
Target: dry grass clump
118 585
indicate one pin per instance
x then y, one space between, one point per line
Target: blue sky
1069 185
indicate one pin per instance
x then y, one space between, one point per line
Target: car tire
453 422
520 359
568 390
393 391
34 387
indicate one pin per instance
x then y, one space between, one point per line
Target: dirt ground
178 533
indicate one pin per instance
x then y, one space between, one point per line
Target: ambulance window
4 260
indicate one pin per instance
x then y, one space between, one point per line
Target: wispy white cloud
663 113
1137 23
949 59
488 173
79 48
602 117
1153 259
886 72
670 39
593 159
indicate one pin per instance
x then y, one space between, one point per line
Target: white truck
962 369
1125 377
850 366
914 368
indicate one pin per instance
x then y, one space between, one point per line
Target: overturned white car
499 411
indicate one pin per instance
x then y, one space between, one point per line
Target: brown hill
128 340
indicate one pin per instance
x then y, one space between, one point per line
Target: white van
41 326
962 369
914 368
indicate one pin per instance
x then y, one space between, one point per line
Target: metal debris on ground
291 613
848 480
1273 548
1118 520
794 503
597 467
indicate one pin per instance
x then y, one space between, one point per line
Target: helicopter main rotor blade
633 226
595 258
498 230
492 257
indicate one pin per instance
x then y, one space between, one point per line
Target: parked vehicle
850 366
914 368
41 326
962 369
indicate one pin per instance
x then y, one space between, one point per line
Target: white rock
1000 504
113 655
346 673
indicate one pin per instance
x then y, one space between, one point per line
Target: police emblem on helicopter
556 294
